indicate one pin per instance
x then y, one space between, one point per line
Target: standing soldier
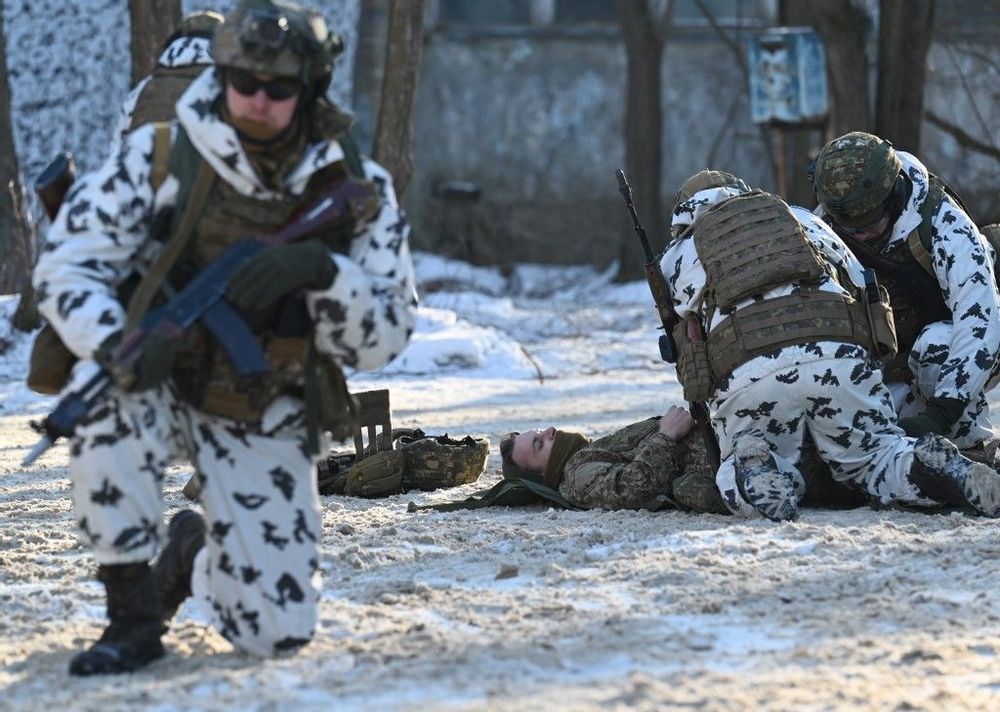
255 141
186 54
938 268
777 336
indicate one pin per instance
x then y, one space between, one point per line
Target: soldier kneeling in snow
254 143
791 337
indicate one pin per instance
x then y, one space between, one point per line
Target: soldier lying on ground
652 464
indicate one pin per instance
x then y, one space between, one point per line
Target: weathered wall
69 66
536 124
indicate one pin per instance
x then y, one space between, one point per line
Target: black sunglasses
247 84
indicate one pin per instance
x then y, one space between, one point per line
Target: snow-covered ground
530 608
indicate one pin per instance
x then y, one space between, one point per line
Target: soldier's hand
939 417
676 423
148 368
268 276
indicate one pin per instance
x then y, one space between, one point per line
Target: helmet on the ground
854 176
703 180
277 38
435 462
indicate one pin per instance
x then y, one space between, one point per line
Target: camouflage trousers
844 406
258 572
909 398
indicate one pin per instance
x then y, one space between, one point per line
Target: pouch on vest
378 475
694 369
751 243
883 324
50 363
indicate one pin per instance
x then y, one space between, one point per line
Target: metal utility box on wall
787 76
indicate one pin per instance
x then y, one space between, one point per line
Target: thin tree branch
741 62
968 92
962 136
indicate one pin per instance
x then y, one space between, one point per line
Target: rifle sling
181 235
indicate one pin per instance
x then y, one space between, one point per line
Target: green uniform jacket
638 467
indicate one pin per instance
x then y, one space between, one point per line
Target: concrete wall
534 120
537 124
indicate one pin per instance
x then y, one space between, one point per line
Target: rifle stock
668 319
54 181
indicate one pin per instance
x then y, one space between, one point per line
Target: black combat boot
132 639
172 570
941 473
772 492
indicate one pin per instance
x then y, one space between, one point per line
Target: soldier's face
533 448
256 113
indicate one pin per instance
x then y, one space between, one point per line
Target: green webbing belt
506 493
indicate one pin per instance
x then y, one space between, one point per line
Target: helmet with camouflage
435 462
703 180
199 24
279 39
854 176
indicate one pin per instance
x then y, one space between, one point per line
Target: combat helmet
854 176
434 462
280 39
703 180
197 24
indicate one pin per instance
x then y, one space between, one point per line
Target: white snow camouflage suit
956 358
258 572
833 389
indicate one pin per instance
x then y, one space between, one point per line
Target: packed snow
532 608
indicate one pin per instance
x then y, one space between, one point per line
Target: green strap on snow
506 493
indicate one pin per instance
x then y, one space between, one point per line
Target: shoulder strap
352 156
161 154
195 176
919 240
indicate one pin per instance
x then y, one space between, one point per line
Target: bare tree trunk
643 127
15 233
393 142
152 22
842 24
905 29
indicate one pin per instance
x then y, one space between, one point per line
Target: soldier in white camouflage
779 337
255 143
186 53
906 225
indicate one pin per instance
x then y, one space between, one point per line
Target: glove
267 277
939 417
150 367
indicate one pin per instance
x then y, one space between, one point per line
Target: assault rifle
668 319
201 299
